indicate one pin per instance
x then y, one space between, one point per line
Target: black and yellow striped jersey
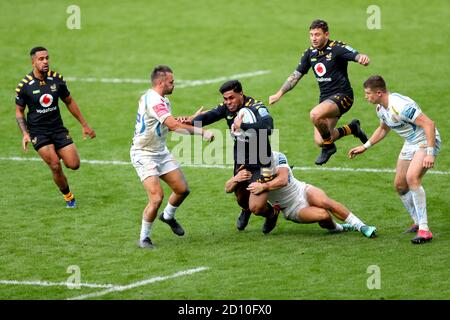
330 67
41 97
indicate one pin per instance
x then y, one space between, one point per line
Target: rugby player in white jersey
421 146
304 203
152 159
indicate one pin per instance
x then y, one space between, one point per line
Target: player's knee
73 165
401 187
323 215
258 208
413 182
156 200
314 116
55 167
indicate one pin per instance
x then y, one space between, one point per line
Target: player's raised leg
354 128
320 116
70 157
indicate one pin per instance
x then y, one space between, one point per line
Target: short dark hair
234 85
375 83
319 24
36 49
160 71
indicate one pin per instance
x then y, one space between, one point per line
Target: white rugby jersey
150 133
400 116
285 195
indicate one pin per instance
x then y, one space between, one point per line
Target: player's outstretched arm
281 180
183 128
290 83
76 112
362 59
189 119
376 137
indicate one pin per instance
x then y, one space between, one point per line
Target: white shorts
299 202
408 150
147 164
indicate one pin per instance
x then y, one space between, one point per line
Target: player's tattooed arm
291 81
20 119
22 125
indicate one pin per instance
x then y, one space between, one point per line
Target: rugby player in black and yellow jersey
329 60
40 91
252 156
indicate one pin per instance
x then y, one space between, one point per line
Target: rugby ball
247 117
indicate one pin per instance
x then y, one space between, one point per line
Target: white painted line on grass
178 83
138 284
54 284
222 166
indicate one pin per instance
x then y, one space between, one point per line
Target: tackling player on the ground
329 60
305 203
40 91
422 144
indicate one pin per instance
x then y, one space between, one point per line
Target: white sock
169 211
337 228
354 221
409 205
146 229
420 203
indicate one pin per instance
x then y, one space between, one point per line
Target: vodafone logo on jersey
320 69
46 100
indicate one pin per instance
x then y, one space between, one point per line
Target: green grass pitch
202 40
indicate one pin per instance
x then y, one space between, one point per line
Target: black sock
65 190
345 130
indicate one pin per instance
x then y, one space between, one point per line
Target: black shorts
58 139
343 101
259 174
